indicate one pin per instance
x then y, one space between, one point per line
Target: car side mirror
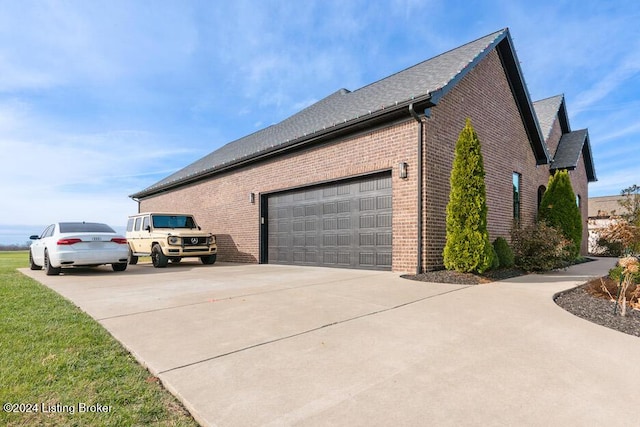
34 237
199 228
147 228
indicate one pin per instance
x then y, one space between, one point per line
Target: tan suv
168 237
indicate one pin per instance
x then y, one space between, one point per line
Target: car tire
121 266
133 260
208 259
32 265
158 259
51 271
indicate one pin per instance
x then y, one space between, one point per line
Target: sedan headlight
174 240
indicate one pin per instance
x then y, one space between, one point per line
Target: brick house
361 179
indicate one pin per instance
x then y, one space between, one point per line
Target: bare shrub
539 247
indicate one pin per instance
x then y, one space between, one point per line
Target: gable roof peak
547 110
571 147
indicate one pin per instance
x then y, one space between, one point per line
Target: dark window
145 223
516 195
541 191
48 231
137 226
130 224
85 227
173 221
579 201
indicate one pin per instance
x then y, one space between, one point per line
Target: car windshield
85 227
173 221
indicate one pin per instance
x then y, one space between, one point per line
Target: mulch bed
589 301
592 303
457 278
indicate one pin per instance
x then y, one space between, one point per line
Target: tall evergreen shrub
559 209
468 248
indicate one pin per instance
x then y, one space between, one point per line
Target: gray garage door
342 224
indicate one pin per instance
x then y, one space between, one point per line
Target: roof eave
511 64
563 117
588 160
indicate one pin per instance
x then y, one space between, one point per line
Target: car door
134 235
139 238
145 234
38 246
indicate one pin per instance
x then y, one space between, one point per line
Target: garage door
342 224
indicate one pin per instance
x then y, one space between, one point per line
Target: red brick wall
485 97
554 137
221 204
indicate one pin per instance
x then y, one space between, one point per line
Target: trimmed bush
539 247
468 248
559 209
503 252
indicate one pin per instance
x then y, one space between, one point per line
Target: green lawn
54 357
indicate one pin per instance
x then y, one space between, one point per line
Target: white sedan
75 244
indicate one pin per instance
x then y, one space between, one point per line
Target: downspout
420 198
138 202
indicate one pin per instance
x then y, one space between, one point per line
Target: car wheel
133 260
209 259
32 265
51 271
121 266
158 259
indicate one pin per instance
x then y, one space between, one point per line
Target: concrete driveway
245 345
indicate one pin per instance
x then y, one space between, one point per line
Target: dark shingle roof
547 111
570 147
429 80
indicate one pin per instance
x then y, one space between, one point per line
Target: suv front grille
194 241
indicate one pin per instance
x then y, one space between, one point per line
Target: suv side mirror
34 237
147 228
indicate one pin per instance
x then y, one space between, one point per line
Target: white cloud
615 133
613 181
54 44
627 68
56 175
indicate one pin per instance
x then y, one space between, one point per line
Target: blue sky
100 99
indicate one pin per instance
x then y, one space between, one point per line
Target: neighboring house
603 211
361 179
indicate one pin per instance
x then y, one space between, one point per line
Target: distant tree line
15 247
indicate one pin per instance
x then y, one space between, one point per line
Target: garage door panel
383 220
383 202
384 183
344 224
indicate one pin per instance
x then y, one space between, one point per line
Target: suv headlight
211 240
174 240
